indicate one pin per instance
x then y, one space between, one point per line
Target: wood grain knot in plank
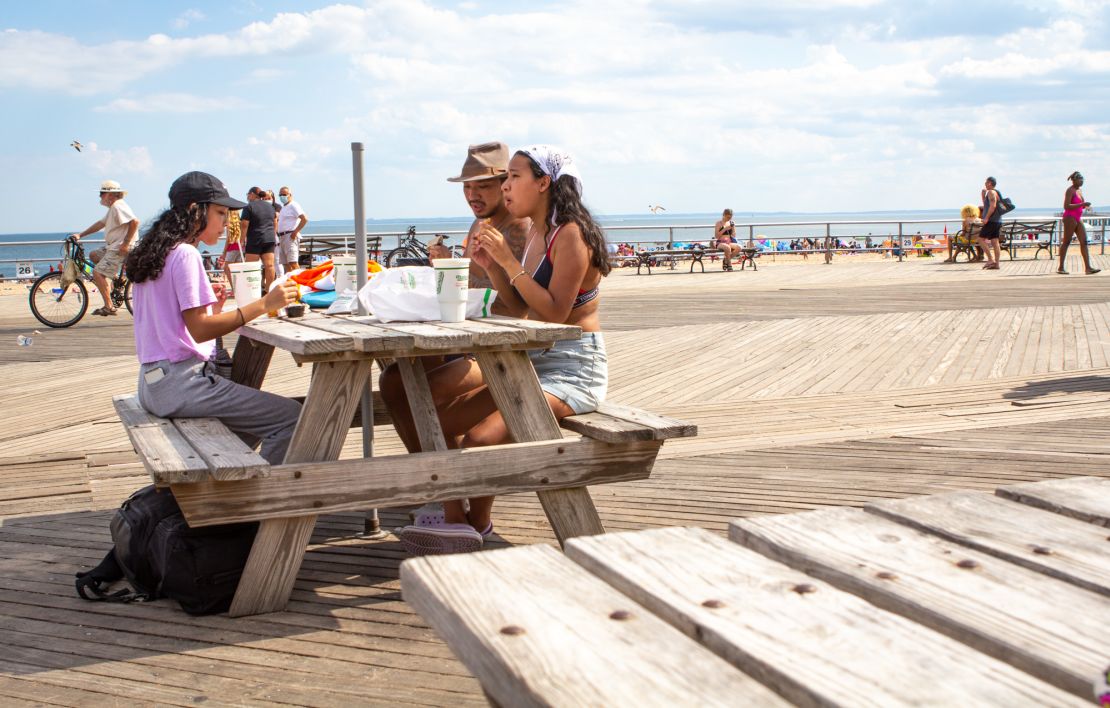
1042 550
512 630
620 615
804 588
713 604
886 575
968 564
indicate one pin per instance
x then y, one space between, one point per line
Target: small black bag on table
162 557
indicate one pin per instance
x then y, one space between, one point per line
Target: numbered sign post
25 270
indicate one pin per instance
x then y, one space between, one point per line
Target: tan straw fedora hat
483 162
110 185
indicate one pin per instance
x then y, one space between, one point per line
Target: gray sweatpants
192 389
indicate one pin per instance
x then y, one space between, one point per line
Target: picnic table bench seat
191 450
185 450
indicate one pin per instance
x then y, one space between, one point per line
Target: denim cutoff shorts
575 371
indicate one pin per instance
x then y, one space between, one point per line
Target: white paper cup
345 272
452 285
246 281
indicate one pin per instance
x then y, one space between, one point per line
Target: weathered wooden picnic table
217 479
955 599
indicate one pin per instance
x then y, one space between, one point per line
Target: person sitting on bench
178 316
724 234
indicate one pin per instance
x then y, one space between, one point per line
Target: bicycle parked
412 251
60 298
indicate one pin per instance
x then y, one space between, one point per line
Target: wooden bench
217 479
328 246
964 243
645 259
1012 231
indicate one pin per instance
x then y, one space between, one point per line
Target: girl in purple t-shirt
178 315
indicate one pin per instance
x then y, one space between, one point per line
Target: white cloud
187 18
172 103
132 160
642 96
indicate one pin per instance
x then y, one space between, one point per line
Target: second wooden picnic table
962 599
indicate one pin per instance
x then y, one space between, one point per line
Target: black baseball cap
201 188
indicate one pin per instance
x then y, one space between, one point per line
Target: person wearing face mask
120 228
291 219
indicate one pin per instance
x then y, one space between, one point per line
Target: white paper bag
408 294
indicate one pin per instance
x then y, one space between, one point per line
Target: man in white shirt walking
120 229
291 219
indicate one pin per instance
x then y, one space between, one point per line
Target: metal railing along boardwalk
830 236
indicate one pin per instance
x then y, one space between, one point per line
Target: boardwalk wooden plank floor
811 385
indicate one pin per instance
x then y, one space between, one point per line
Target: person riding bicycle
120 228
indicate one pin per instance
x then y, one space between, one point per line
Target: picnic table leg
250 362
513 384
279 547
421 404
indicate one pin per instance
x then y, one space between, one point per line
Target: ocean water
44 250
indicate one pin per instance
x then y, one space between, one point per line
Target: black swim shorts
259 248
991 230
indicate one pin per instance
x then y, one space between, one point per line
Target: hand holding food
281 295
492 242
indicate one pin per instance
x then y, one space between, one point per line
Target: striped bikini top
546 268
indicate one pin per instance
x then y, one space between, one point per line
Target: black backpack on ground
162 557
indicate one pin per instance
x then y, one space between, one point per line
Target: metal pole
372 526
670 237
900 244
751 235
1103 239
828 244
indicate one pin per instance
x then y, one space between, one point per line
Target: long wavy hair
564 206
175 225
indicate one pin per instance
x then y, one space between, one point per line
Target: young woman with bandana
557 279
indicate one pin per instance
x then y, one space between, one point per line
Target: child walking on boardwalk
556 279
178 314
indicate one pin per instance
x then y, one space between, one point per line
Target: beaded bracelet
513 279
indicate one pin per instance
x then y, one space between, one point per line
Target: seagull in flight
76 145
656 209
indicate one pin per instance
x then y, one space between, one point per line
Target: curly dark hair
175 225
565 206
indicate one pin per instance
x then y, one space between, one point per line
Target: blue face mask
284 198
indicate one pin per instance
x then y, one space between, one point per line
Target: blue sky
793 105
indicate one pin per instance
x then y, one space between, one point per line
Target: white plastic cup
345 270
246 281
452 285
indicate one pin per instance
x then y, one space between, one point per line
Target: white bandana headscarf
555 163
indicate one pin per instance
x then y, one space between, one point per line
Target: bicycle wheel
121 294
57 307
393 258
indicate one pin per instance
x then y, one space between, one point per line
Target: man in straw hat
120 228
485 169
